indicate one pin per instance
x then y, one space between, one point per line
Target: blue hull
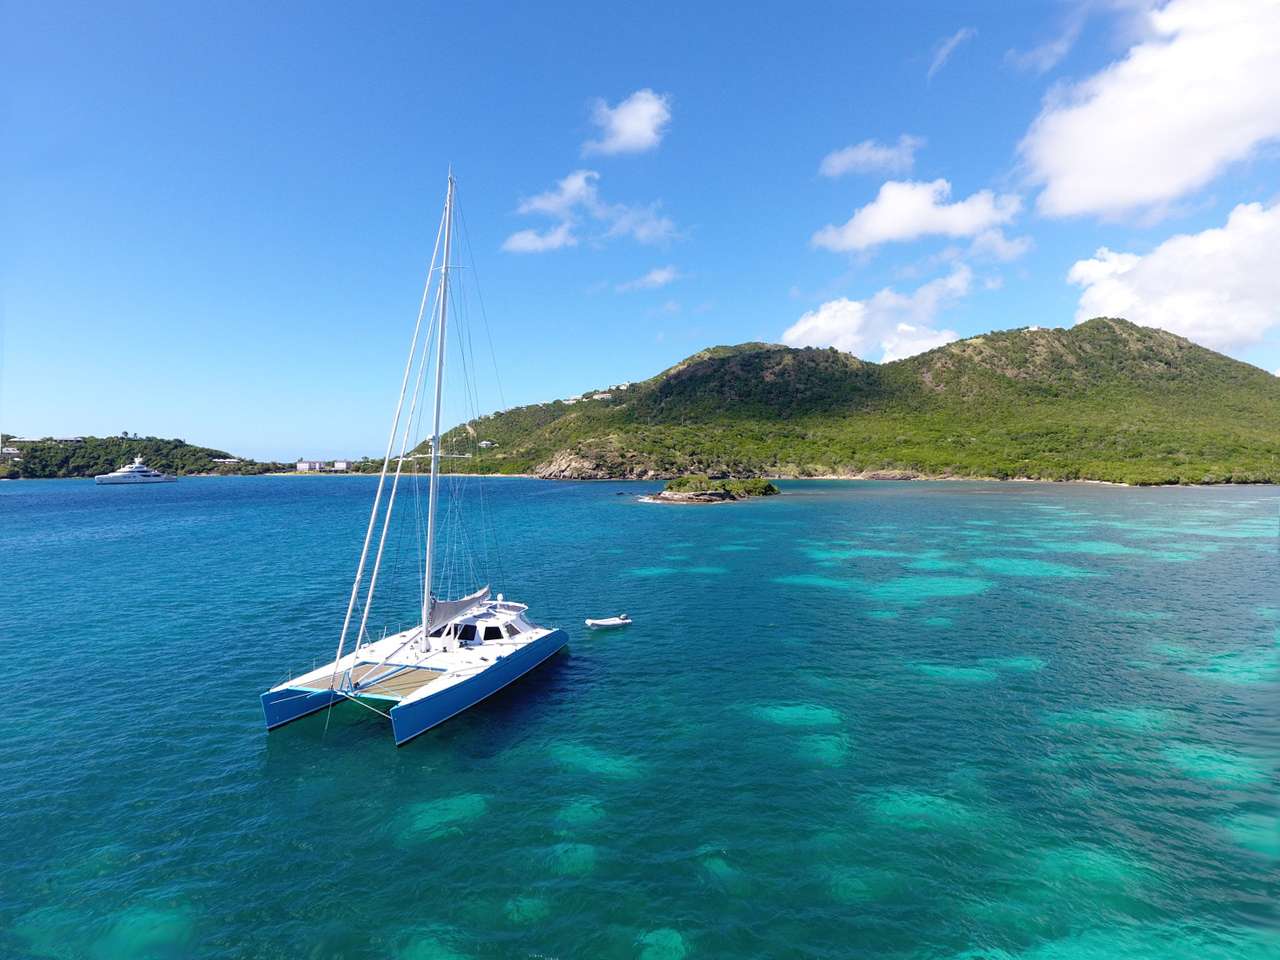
283 706
410 720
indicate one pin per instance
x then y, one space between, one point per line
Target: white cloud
576 190
1129 23
655 278
633 126
1046 56
1198 93
906 210
532 241
899 325
871 156
947 47
1220 287
642 224
837 323
994 245
575 199
907 340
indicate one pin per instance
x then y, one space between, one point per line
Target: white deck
399 668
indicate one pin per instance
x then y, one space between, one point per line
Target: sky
217 217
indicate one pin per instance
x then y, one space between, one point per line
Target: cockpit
481 626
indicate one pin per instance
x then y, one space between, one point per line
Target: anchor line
363 704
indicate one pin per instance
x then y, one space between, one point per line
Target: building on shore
323 466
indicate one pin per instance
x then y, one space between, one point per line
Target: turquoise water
858 720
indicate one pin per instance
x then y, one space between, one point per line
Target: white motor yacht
136 472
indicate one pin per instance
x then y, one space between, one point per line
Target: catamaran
136 472
461 650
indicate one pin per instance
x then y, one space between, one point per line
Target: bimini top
443 611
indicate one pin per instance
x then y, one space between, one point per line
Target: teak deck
397 686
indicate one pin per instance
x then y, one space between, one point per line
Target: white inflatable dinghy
621 620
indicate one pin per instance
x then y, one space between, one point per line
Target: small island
699 488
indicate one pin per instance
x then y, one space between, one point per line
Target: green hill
89 456
1104 400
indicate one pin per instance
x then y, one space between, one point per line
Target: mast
435 426
382 476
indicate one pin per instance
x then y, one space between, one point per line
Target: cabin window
467 633
492 633
511 629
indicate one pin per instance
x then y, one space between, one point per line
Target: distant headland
1105 400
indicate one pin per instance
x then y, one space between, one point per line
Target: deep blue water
907 720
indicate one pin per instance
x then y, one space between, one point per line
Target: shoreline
949 477
403 473
824 478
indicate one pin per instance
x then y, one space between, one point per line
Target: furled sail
442 611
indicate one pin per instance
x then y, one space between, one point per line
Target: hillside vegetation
737 489
1104 400
90 456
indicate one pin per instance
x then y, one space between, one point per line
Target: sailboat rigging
463 649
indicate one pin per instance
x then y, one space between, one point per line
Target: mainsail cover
442 611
